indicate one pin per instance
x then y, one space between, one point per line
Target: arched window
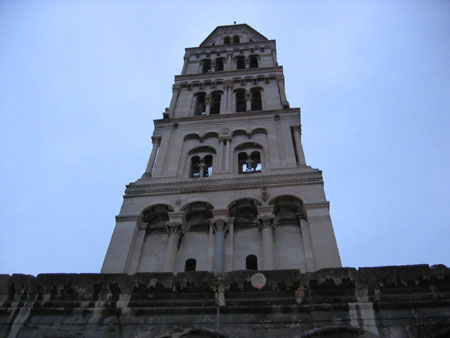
215 103
251 262
253 61
240 62
201 167
241 104
200 104
236 39
207 162
226 40
190 265
219 65
206 65
249 164
195 167
256 99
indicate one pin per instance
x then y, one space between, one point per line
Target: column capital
225 138
266 217
156 139
173 227
220 224
297 128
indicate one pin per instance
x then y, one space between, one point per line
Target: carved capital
220 224
266 221
173 227
156 139
297 129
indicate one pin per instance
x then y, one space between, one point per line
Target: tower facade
227 186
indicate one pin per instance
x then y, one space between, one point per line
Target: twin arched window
207 104
255 99
249 164
201 167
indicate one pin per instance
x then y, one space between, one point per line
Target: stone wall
402 301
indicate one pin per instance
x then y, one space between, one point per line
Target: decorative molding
126 218
269 113
221 184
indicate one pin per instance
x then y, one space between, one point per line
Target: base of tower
340 302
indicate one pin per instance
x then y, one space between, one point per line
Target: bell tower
227 186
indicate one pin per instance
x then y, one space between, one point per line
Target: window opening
236 39
240 101
190 264
219 65
201 167
207 162
249 164
215 103
226 40
206 66
195 166
200 104
256 99
253 61
240 62
251 262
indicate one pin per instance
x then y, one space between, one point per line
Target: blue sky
82 81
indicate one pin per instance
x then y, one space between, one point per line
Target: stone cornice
126 218
281 112
221 184
236 72
232 47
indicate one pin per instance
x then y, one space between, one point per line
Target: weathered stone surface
398 301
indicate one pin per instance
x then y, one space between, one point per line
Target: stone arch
202 149
287 209
244 211
210 135
154 216
240 132
192 136
258 131
197 215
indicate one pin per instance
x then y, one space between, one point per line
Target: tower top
220 33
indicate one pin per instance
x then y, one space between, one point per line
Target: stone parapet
397 301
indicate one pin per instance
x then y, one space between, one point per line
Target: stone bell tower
227 186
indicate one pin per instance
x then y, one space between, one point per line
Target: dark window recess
207 162
249 164
206 66
240 101
200 104
215 103
251 262
236 39
226 40
190 265
219 65
240 62
256 99
253 61
195 167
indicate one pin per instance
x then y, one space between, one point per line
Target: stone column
229 63
174 230
248 98
186 60
227 153
173 101
284 101
266 226
307 245
201 166
219 253
298 146
156 140
207 104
